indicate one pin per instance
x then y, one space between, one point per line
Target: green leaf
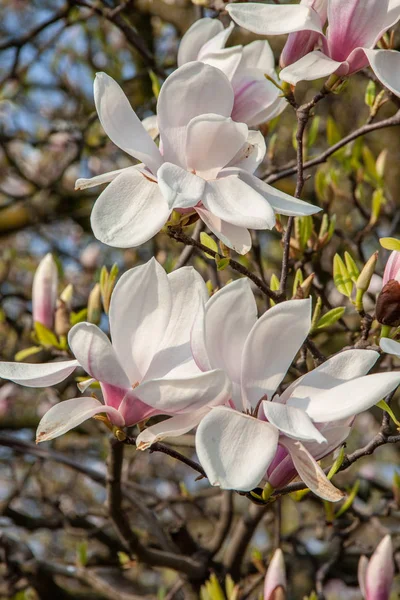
390 243
78 317
341 277
331 317
208 242
385 406
81 553
378 200
298 280
349 500
370 94
369 163
337 464
46 337
351 266
26 352
313 132
155 83
221 263
332 132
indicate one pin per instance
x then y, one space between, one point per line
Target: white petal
292 421
314 65
232 200
225 333
139 313
130 211
380 572
282 203
197 89
180 188
271 347
196 36
172 427
386 66
211 142
83 184
276 576
237 238
121 123
310 472
251 154
338 369
255 97
362 573
235 449
69 414
37 375
151 126
186 394
96 355
350 398
258 55
390 346
226 60
198 341
189 293
216 43
266 19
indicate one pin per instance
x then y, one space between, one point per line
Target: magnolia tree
211 379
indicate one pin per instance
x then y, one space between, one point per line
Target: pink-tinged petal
180 188
392 268
237 238
44 292
226 60
348 399
196 36
121 123
276 575
338 369
310 472
292 421
389 346
251 154
255 98
301 43
140 310
235 449
267 19
197 89
172 427
185 394
96 355
271 347
282 203
386 66
225 333
133 410
83 184
362 574
314 65
217 43
211 142
130 211
37 375
354 24
69 414
188 294
258 55
225 196
380 571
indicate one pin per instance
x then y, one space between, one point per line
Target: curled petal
180 188
293 422
235 449
237 238
314 65
386 66
83 184
195 37
266 19
172 427
37 375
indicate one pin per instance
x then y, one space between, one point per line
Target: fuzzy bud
388 304
275 579
44 292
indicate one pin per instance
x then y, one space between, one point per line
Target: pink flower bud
376 575
302 42
275 579
44 292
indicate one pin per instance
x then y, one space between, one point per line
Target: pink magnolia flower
354 29
256 100
375 576
147 369
275 579
204 165
262 435
44 292
392 268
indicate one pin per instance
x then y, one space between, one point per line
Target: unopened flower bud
44 292
364 278
66 295
275 579
94 305
376 575
388 304
62 322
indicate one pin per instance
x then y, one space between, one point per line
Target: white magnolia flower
147 369
204 164
354 29
237 444
256 99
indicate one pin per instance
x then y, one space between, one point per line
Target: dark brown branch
224 522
